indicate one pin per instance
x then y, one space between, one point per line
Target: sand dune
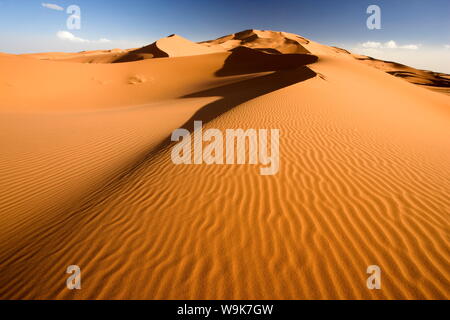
91 85
95 56
268 41
276 42
171 46
176 46
87 177
439 82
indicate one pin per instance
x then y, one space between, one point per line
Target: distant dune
87 178
268 41
439 82
171 46
273 42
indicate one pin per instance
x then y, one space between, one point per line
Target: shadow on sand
245 60
289 69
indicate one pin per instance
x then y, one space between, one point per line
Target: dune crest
171 46
268 41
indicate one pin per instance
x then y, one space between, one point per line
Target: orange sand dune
269 41
104 86
96 56
87 178
276 42
439 82
171 46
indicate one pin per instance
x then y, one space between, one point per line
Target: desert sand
87 178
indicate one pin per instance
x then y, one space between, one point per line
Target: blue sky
27 26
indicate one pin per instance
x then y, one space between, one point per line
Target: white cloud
388 45
371 52
68 36
52 6
447 46
410 47
371 44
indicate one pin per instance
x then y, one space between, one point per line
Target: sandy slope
171 46
102 86
269 41
439 82
274 42
364 179
95 56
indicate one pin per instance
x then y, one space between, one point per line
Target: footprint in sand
137 79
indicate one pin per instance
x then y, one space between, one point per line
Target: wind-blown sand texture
86 176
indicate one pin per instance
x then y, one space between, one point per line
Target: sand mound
90 86
87 178
276 42
171 46
94 56
439 82
176 46
269 41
